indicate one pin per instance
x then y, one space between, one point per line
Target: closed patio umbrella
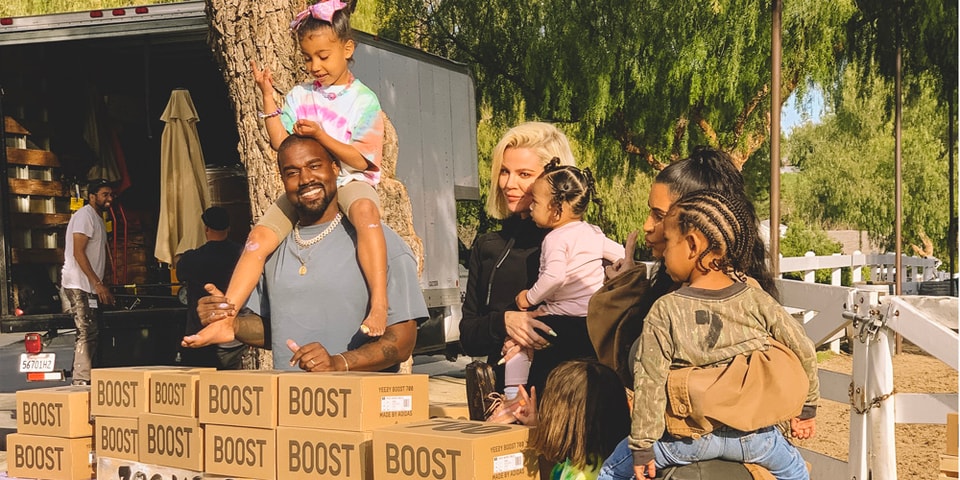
183 181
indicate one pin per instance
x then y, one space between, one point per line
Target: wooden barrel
228 189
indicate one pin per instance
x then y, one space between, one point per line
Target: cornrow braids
727 222
708 168
570 184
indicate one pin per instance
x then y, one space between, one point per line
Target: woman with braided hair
716 320
705 169
571 270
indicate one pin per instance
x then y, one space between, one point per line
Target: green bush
802 238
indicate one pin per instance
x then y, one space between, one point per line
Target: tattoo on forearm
389 347
390 353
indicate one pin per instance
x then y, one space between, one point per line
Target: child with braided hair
571 270
708 326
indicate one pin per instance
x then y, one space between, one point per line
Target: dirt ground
918 446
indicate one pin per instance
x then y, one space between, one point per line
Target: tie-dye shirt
352 117
567 471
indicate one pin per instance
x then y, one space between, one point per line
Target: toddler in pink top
571 255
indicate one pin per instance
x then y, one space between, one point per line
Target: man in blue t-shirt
316 296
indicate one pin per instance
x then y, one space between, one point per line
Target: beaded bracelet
346 366
271 114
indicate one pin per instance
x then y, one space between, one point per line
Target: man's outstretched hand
218 314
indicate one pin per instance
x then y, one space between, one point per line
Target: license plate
37 362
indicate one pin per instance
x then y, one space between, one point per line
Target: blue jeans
765 447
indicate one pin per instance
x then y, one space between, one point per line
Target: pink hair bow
323 10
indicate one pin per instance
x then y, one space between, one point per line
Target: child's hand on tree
263 78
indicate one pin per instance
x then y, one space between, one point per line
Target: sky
793 114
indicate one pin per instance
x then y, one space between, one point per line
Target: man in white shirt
85 259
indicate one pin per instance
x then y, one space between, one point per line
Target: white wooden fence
827 311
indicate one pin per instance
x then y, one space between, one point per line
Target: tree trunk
242 31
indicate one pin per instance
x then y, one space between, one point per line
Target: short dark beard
100 208
310 213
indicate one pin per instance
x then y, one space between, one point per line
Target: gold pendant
303 270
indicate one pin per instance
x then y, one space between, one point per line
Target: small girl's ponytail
552 165
572 185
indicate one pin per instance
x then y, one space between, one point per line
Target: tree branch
748 109
756 139
678 134
629 145
492 65
696 114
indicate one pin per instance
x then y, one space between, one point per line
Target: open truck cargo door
131 59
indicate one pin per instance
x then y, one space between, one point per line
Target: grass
19 8
825 355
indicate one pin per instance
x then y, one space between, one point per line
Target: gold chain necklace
305 244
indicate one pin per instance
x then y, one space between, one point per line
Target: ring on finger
311 362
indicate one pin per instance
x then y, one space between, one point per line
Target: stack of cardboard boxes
238 411
54 439
327 420
948 459
145 420
265 425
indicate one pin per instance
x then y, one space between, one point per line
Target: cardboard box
446 449
952 434
114 468
948 465
175 393
57 412
117 437
455 410
307 454
244 398
50 458
240 451
210 476
354 401
124 391
171 441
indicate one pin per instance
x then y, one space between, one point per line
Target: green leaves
847 165
642 74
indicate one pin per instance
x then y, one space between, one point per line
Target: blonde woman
504 262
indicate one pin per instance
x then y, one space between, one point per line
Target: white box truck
75 79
